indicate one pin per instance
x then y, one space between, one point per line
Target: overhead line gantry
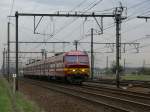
118 18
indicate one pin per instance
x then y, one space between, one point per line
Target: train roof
55 57
76 53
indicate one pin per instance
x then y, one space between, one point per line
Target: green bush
114 67
145 71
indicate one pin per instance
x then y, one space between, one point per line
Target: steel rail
124 82
116 108
123 94
126 103
120 90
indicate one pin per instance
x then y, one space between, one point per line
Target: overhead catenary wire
129 18
130 7
75 8
92 5
11 7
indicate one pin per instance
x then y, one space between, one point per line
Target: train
71 66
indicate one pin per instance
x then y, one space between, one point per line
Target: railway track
125 102
122 82
124 94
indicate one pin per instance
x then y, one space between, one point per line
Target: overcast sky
70 29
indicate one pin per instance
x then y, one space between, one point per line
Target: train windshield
83 59
72 59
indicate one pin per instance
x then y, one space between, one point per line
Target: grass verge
12 103
137 77
5 100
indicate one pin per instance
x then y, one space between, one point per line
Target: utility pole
44 54
124 64
117 48
144 64
92 56
8 48
118 18
76 44
107 63
4 62
16 82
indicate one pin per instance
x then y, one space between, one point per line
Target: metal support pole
76 44
144 64
8 72
92 56
45 54
124 64
118 21
107 63
4 61
16 15
14 83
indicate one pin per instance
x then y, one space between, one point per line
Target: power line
138 4
12 6
85 10
66 25
129 17
59 30
82 2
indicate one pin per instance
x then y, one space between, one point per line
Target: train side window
46 66
49 65
52 65
43 66
56 65
62 65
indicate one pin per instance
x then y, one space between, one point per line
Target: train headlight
73 70
83 70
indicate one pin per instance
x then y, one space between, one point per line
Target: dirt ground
50 101
139 89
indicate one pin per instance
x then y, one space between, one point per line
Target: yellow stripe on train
76 70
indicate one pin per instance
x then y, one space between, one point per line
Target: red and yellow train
73 66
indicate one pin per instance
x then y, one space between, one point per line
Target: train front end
76 66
